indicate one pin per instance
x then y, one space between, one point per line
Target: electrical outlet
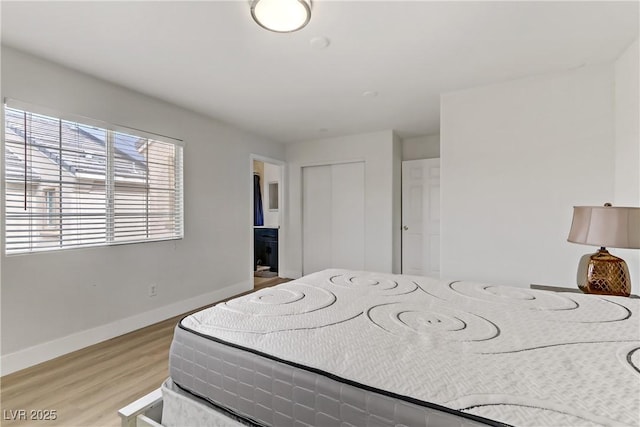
153 290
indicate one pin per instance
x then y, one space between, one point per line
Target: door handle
405 228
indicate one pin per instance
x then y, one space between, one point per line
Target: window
70 184
51 207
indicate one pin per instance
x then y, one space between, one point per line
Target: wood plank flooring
88 386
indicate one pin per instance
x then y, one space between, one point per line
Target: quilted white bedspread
519 356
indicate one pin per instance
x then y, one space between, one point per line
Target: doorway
267 178
421 217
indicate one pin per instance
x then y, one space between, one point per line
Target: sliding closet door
316 218
333 217
347 214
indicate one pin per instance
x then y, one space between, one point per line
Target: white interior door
333 217
421 217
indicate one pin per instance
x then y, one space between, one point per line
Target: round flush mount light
281 16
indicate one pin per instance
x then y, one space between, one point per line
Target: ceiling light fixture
281 16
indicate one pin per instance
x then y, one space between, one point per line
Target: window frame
55 228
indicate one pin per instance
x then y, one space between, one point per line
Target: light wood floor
87 387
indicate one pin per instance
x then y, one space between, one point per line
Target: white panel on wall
516 158
396 190
627 161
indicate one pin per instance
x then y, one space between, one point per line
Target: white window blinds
69 185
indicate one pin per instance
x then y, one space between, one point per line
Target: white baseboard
39 353
290 274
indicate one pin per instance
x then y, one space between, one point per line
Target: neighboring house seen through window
69 184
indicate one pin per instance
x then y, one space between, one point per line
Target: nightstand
561 289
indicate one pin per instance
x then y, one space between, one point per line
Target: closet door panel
316 218
347 225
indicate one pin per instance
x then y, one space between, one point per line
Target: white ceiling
210 57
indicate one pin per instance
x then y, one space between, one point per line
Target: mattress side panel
270 392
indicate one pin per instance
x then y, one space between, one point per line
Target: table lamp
605 226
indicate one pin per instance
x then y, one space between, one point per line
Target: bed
343 347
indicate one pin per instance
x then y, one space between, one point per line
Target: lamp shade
606 226
281 16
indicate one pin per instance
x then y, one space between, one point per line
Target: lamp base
604 274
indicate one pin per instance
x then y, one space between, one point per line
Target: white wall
627 146
516 157
397 204
376 150
57 302
421 147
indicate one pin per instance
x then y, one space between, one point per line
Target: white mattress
518 356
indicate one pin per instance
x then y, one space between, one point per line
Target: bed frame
144 412
167 401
